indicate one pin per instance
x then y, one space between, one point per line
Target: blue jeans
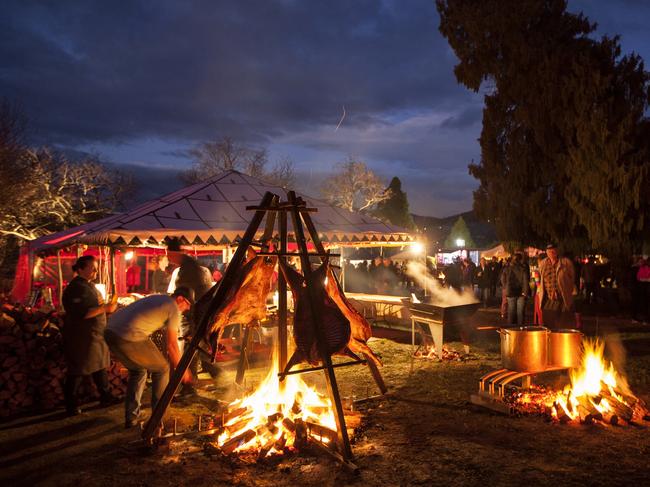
139 358
516 308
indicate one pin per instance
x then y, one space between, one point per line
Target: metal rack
492 387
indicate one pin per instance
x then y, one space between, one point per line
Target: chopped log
280 444
320 431
240 440
562 416
610 418
239 424
274 418
266 448
289 424
226 417
301 434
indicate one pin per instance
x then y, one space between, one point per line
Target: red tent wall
23 279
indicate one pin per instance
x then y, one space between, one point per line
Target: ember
596 393
429 352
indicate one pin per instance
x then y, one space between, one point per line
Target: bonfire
596 392
277 417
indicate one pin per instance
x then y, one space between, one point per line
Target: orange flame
268 406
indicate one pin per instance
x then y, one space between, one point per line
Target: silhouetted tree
564 145
395 209
211 158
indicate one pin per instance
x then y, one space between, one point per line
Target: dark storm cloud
113 71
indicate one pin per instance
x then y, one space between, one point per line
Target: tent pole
112 270
342 260
60 276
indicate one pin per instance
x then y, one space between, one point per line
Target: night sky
140 82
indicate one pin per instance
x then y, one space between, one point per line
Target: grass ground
427 433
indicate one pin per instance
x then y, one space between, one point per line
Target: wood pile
32 365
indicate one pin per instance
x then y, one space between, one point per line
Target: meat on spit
245 301
345 330
336 327
360 328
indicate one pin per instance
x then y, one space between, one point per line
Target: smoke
441 296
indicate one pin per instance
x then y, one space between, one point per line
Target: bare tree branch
354 187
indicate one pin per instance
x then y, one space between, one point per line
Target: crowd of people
94 327
379 276
551 283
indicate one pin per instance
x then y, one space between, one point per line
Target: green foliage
565 140
395 209
460 230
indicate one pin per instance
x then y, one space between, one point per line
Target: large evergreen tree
564 146
395 209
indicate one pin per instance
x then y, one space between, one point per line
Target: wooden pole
315 308
246 341
282 299
229 278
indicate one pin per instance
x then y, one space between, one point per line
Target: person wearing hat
127 336
555 293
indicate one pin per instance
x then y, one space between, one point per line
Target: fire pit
436 317
596 393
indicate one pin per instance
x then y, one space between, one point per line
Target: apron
83 339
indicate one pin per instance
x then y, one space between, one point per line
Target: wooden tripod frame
270 206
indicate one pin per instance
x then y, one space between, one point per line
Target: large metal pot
564 348
524 349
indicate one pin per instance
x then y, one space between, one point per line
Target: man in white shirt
127 336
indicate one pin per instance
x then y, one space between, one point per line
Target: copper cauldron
524 349
564 348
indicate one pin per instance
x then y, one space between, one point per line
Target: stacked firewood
32 365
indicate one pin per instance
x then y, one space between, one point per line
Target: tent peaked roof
215 210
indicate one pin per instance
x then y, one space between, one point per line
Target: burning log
562 415
266 448
587 411
227 417
280 444
289 425
610 418
320 431
274 418
236 426
301 434
240 440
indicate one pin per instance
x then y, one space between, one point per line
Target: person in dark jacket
194 276
483 278
517 278
85 350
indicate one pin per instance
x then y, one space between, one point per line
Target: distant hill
150 182
437 229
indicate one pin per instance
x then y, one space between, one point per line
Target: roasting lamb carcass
336 327
360 328
245 301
